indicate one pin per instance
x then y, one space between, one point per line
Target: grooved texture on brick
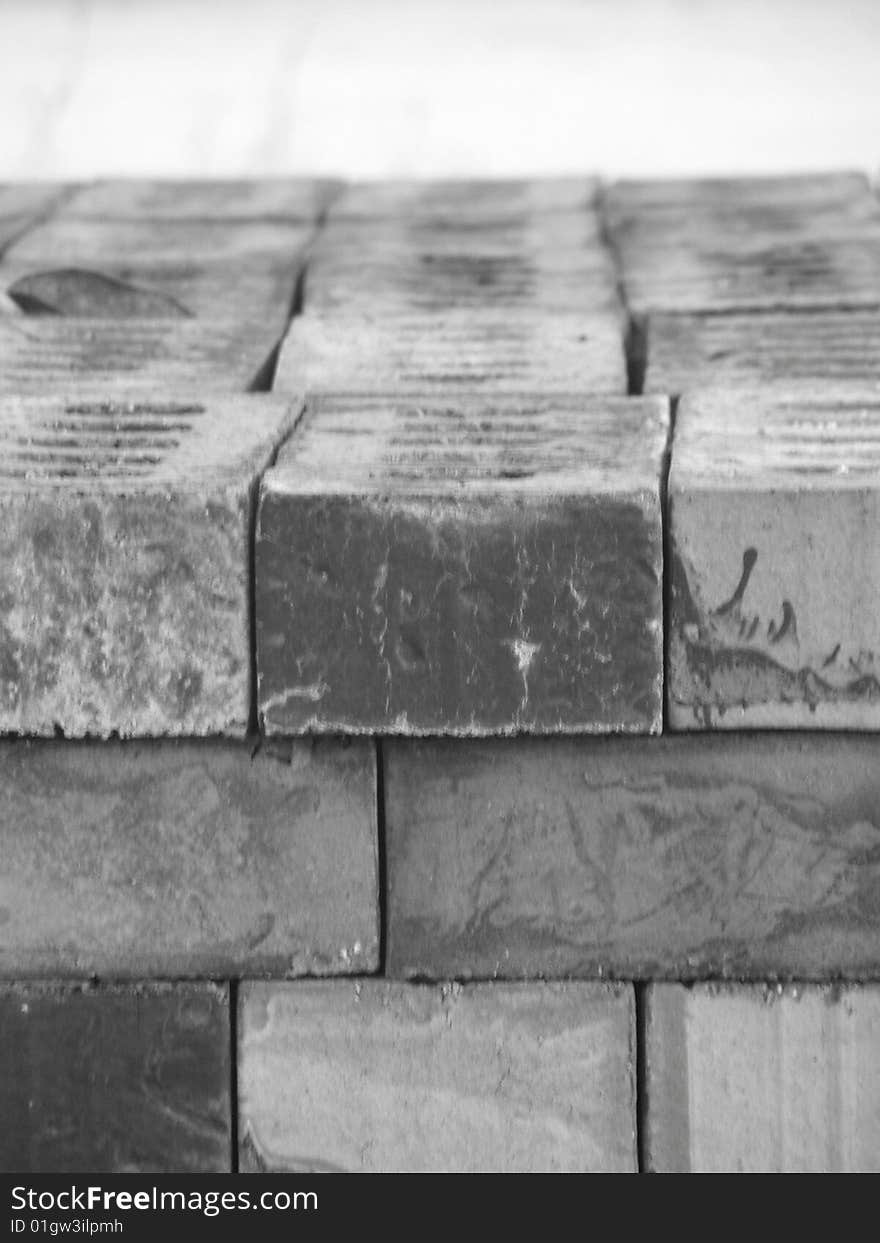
483 566
774 506
382 1077
661 858
763 1080
752 244
187 859
126 548
156 284
114 1080
736 351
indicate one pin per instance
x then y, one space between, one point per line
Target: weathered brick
187 859
545 263
384 1077
484 566
455 352
686 352
23 203
751 244
242 272
263 198
125 548
475 202
121 1080
774 502
112 357
747 856
762 1080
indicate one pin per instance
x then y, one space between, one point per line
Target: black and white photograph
439 602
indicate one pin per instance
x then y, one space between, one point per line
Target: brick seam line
264 382
382 857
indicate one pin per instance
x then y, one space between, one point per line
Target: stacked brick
361 678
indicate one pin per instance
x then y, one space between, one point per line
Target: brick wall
440 676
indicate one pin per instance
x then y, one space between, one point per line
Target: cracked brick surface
468 568
385 1077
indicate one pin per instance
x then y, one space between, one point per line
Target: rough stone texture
108 358
193 859
757 1080
487 566
735 351
124 546
121 1081
752 244
774 501
384 1077
270 198
500 350
751 857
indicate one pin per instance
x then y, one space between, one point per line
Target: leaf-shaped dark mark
78 292
750 556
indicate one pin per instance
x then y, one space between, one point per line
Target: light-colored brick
383 1077
125 548
753 244
774 509
257 198
763 1080
686 352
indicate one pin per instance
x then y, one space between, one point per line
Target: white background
432 87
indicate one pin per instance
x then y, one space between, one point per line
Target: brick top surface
67 241
421 445
98 443
483 200
819 437
281 198
801 192
742 350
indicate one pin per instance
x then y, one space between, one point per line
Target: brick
187 859
678 857
473 201
501 350
544 262
774 501
125 548
244 272
763 1080
428 567
685 352
23 203
266 198
384 1077
109 357
737 245
121 1080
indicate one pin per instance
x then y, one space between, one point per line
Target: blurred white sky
437 87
